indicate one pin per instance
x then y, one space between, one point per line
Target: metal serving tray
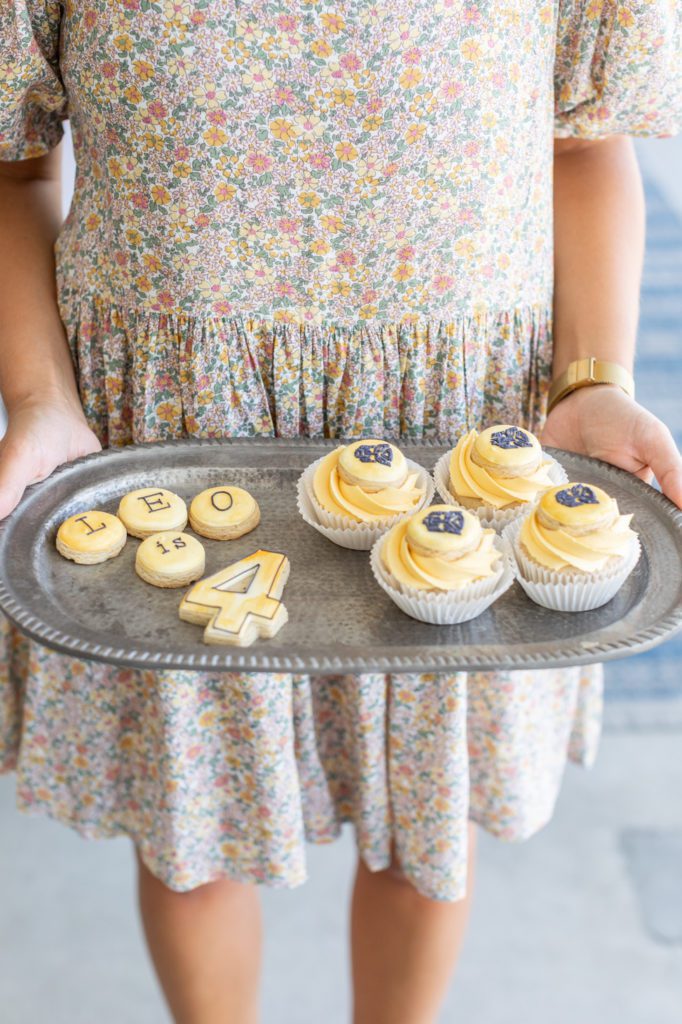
339 618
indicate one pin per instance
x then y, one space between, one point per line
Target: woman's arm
599 244
46 425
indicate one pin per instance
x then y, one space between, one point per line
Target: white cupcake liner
344 531
444 608
564 591
496 519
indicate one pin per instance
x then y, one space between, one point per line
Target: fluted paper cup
444 608
344 531
496 519
568 591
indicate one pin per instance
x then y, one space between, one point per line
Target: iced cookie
242 602
224 513
150 510
91 537
170 559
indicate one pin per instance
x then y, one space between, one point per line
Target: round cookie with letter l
224 513
91 537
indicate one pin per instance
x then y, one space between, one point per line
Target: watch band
583 372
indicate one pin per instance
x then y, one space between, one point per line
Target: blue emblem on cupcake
578 494
444 522
381 453
512 437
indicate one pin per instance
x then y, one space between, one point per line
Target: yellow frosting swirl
588 552
468 480
438 572
335 495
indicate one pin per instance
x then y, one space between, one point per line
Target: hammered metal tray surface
339 618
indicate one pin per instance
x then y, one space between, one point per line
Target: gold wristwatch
583 372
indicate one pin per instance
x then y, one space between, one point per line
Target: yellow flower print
626 17
309 200
402 36
464 247
333 23
340 288
152 263
372 122
182 213
143 69
258 77
210 95
345 151
283 130
309 125
321 48
212 288
224 191
414 133
259 272
134 237
124 44
180 67
160 195
344 97
403 271
154 141
92 222
133 94
169 411
410 78
471 50
181 169
320 246
449 7
489 119
215 136
177 12
367 312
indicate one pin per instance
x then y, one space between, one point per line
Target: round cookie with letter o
91 537
224 513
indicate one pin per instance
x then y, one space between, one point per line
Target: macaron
507 451
372 465
577 508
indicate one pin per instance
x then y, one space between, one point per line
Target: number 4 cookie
242 602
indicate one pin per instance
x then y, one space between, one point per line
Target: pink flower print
465 216
198 17
406 252
347 258
258 162
222 307
164 300
472 148
284 95
413 55
158 110
375 104
320 161
451 90
287 225
202 220
442 283
108 69
139 201
369 295
284 289
90 17
182 152
286 22
216 117
349 62
472 16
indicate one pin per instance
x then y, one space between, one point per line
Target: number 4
240 603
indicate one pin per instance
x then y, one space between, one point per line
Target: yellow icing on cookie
171 553
443 530
341 498
223 506
372 463
468 480
241 602
437 572
577 504
152 509
92 533
507 446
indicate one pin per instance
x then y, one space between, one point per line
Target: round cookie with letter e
91 537
224 513
150 510
170 559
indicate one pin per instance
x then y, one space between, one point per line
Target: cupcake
574 550
497 474
357 491
441 565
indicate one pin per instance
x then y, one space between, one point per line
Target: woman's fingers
16 473
658 450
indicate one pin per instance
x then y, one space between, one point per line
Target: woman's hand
42 433
603 422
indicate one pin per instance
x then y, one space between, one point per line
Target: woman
324 219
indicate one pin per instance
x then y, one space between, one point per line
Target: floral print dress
314 218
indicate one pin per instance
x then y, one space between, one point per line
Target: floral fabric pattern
320 219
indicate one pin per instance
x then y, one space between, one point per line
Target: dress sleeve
618 68
32 96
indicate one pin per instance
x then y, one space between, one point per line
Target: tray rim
411 659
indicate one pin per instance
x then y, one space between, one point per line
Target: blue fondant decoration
578 494
381 453
444 522
512 437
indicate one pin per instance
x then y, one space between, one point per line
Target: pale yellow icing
579 515
437 572
344 499
92 532
151 509
171 553
471 481
222 506
557 549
